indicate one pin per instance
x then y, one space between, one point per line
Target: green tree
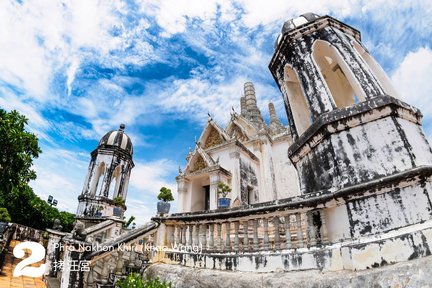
4 215
18 148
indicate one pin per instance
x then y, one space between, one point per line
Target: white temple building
249 155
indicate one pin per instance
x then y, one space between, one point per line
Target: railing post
236 236
211 238
195 238
227 236
90 279
300 243
219 235
183 234
119 264
170 231
287 232
266 236
132 255
203 235
176 235
255 235
245 235
190 228
311 229
276 232
324 232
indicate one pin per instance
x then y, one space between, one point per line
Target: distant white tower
105 188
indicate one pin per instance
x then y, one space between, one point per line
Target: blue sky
78 69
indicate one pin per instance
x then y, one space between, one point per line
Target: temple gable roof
212 135
199 160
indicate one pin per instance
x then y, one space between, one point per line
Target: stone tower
348 124
105 188
249 106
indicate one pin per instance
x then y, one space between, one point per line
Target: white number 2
37 254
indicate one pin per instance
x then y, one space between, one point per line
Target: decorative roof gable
212 135
241 128
199 160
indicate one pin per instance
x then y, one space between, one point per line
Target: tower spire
276 126
252 110
273 117
243 107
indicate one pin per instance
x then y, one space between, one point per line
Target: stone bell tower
349 126
105 188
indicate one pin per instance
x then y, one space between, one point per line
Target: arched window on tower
99 176
340 80
297 100
376 70
115 182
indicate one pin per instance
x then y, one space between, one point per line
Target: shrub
4 215
135 280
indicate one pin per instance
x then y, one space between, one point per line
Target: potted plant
165 196
99 211
119 202
223 190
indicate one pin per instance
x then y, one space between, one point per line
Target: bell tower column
105 188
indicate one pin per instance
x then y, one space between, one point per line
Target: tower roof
296 22
117 138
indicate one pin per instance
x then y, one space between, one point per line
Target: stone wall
412 274
24 233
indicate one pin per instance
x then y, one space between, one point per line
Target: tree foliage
119 202
4 215
18 148
129 221
165 194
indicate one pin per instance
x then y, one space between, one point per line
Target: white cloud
149 177
60 173
413 80
194 98
146 180
173 18
41 38
11 102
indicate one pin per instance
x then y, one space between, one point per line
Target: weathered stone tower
351 131
105 188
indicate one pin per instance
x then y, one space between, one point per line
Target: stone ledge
414 273
323 124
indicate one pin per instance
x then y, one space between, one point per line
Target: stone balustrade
260 232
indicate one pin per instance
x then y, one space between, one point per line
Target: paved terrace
6 279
